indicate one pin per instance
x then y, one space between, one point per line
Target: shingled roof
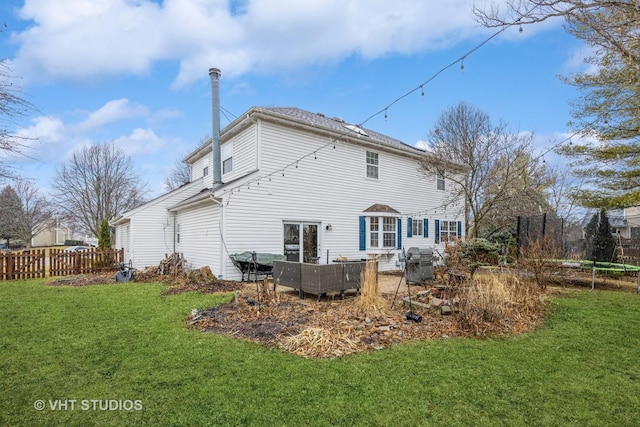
337 124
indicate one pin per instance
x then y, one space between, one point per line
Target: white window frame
379 231
440 184
448 230
372 160
227 165
417 228
226 153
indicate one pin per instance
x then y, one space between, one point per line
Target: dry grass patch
370 301
493 304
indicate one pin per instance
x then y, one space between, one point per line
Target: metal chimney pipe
215 73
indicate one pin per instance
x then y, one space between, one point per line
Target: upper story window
226 152
440 180
372 165
227 165
205 171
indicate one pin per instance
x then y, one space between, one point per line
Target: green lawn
126 343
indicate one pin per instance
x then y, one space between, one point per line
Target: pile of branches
171 268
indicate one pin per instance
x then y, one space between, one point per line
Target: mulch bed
328 328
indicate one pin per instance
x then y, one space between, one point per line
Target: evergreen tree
104 240
590 232
11 214
604 245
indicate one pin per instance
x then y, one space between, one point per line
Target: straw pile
320 342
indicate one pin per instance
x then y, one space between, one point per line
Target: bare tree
493 170
12 107
97 183
37 212
612 25
179 175
608 106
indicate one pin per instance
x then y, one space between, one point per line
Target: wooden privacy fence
33 264
19 265
62 263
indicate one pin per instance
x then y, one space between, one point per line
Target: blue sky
136 71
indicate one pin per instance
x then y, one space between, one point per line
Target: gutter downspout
221 245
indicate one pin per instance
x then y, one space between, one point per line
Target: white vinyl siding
151 228
200 236
328 187
338 198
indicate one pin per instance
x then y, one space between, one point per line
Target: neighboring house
53 234
626 221
301 184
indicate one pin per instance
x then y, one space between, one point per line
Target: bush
538 258
74 243
469 255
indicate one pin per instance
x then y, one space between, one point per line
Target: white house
626 221
292 182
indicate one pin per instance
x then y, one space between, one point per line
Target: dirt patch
84 280
207 288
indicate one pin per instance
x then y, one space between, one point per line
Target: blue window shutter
425 228
363 233
459 229
399 233
409 227
436 225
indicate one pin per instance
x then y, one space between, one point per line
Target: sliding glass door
301 241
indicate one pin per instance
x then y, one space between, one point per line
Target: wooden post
10 266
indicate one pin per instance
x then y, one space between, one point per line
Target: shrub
539 259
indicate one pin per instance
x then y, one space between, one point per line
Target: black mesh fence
534 228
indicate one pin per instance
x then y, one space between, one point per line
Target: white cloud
52 135
81 39
577 61
140 141
111 112
44 127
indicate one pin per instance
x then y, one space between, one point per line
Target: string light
421 88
